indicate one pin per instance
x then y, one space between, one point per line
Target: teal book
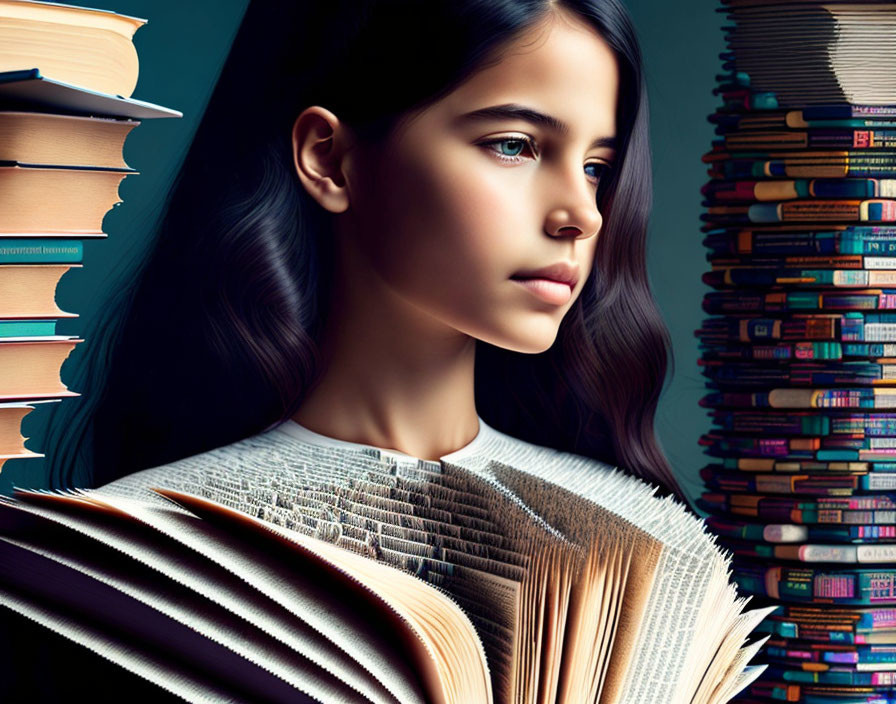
27 328
41 251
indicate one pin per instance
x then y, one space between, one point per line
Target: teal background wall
181 50
681 42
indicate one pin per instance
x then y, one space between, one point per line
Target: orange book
63 140
12 442
81 198
90 48
30 369
29 290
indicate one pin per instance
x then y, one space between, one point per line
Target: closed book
83 46
29 290
809 210
27 328
30 368
29 90
34 250
81 198
12 442
63 140
826 398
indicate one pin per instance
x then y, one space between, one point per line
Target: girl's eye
510 148
600 171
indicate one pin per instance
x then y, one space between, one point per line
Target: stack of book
66 74
800 351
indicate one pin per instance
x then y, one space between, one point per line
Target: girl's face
473 195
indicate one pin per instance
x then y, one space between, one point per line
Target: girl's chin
527 341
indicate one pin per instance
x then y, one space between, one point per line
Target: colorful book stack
800 349
65 76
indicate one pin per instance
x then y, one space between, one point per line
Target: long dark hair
212 338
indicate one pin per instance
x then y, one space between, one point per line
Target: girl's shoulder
232 463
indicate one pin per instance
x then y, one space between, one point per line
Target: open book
386 583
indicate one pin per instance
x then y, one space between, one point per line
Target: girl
356 237
416 226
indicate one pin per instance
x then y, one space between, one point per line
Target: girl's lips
564 272
548 290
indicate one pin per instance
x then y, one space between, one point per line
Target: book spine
817 553
822 210
824 112
863 277
784 533
27 328
31 251
879 262
744 276
875 332
876 553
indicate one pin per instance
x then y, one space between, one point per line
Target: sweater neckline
297 430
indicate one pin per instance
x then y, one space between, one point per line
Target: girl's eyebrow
521 112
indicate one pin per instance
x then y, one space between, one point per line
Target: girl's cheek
485 201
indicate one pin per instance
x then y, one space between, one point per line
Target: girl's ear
320 144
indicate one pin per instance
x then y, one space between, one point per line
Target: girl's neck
392 377
361 410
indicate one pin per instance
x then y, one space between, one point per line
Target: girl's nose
579 221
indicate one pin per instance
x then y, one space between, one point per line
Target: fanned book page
282 567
